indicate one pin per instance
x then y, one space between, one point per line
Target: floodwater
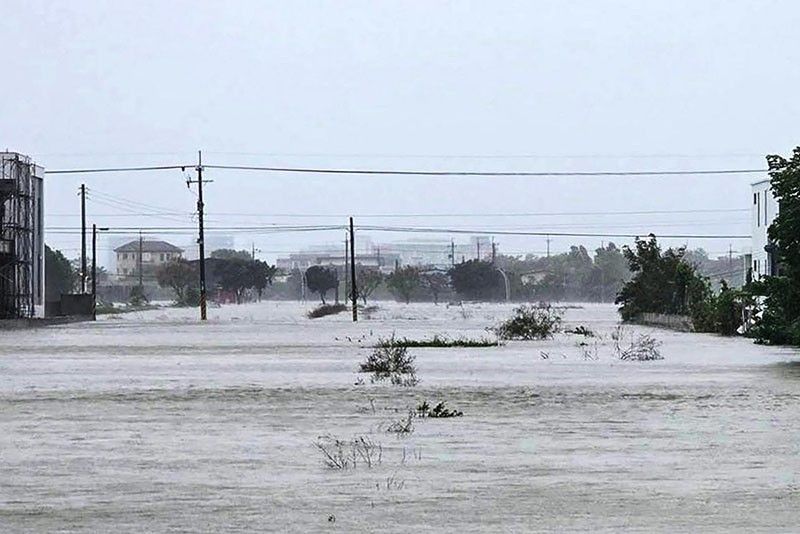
152 422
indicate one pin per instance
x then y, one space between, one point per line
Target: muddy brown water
152 422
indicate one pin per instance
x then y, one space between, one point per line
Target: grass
438 341
326 309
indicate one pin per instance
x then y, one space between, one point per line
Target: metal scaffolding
21 233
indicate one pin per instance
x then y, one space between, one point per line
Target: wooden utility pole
346 265
452 253
141 262
494 251
201 237
83 238
353 289
94 272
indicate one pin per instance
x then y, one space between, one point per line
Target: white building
146 254
763 211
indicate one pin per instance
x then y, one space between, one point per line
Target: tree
234 275
435 282
780 321
403 282
609 273
321 279
368 281
477 280
180 276
662 283
60 277
231 254
261 276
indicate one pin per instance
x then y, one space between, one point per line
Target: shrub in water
391 361
326 309
530 322
347 454
581 331
643 348
440 410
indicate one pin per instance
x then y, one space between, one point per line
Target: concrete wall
681 323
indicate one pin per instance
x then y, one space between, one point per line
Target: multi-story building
21 237
763 211
147 255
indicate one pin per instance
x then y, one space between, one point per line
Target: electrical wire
541 234
117 169
381 172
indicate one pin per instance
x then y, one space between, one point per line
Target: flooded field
153 422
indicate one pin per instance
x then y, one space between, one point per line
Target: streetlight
95 229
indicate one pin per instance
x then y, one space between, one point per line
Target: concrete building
147 255
764 209
22 273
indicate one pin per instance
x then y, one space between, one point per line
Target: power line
541 234
492 156
417 215
381 172
116 169
391 172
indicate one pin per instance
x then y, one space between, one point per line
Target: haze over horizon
463 86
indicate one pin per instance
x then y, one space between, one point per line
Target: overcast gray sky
560 85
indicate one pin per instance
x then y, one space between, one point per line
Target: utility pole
494 251
548 246
201 234
353 289
730 254
478 243
452 253
253 253
346 265
95 229
83 238
141 277
94 272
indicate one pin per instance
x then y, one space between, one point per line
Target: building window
765 208
755 198
162 257
758 210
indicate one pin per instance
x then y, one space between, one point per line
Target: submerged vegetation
530 322
326 309
438 411
438 341
640 348
391 362
348 454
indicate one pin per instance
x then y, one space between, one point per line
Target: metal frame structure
21 237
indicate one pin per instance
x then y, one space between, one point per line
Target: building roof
148 246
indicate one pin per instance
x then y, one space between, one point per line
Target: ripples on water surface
151 422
